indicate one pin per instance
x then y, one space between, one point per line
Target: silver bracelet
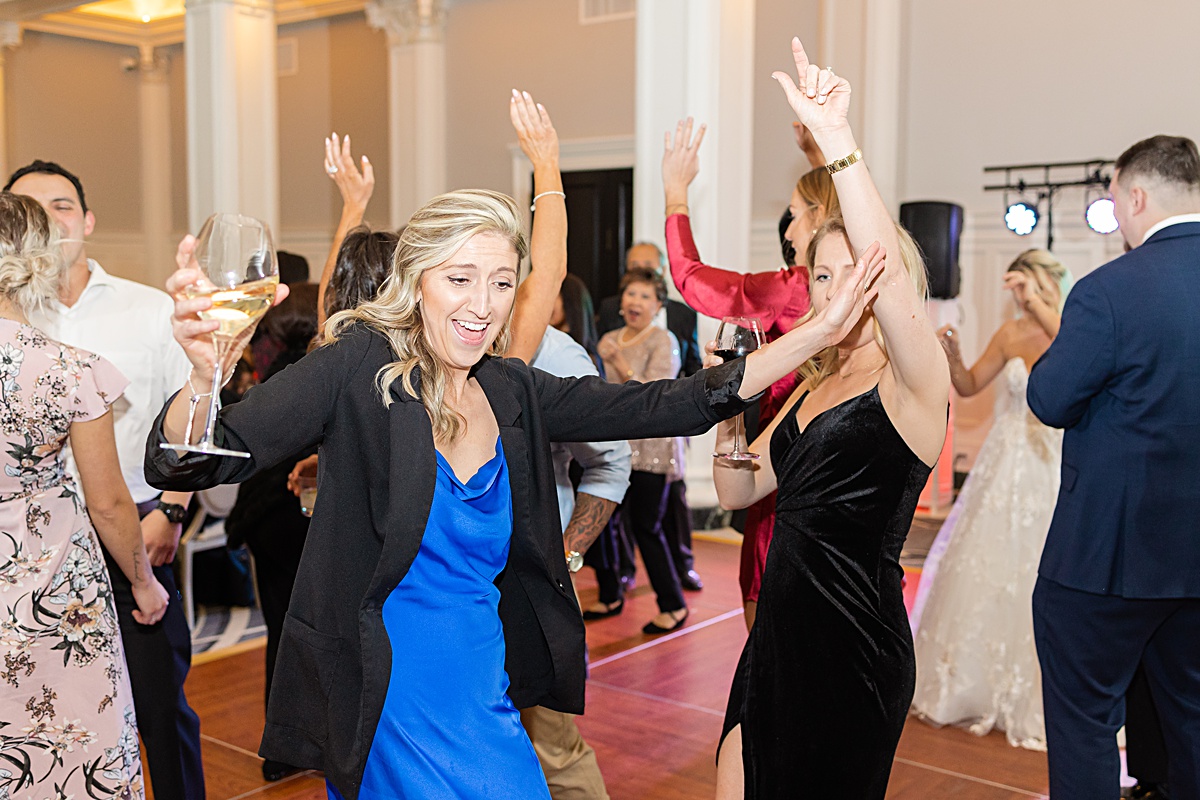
533 205
195 395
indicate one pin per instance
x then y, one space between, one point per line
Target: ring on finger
332 170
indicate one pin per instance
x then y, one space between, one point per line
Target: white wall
583 74
778 162
1025 82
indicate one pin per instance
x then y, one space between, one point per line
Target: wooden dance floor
654 712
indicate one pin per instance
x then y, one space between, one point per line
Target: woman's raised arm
548 240
821 102
356 189
711 290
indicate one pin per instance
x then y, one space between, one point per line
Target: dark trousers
159 657
677 526
642 516
1145 749
614 564
1089 647
275 575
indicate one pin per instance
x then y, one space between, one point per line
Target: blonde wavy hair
31 266
816 189
433 235
826 362
1048 272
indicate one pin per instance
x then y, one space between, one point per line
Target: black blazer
377 477
1123 378
681 321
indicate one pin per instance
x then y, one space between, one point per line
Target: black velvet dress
827 675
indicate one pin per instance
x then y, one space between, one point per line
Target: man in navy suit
1119 582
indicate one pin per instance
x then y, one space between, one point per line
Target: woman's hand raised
820 98
948 337
681 160
194 334
535 131
355 187
848 303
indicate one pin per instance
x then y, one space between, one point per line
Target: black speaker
937 228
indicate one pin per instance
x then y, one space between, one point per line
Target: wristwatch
574 561
173 511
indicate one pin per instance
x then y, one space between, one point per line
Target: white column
155 118
233 149
696 58
416 99
10 36
861 40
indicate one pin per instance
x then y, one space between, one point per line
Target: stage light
1100 215
1021 217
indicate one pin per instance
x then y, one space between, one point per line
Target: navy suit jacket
1123 379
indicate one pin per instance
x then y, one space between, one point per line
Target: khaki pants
567 760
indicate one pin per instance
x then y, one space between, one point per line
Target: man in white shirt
129 324
567 760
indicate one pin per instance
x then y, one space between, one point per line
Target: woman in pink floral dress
67 727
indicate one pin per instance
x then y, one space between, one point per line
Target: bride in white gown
976 661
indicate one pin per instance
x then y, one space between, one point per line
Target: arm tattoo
589 518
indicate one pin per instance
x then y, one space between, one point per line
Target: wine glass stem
737 435
214 400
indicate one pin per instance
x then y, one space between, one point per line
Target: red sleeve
778 299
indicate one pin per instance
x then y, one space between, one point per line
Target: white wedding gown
973 621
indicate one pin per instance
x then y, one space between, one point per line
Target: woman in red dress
778 298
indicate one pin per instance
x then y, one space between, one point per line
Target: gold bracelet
835 167
684 206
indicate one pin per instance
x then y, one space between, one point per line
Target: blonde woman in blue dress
976 662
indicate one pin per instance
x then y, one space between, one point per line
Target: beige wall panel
177 77
584 74
304 121
71 102
778 163
358 106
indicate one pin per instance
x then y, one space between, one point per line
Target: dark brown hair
40 167
645 276
363 263
1170 159
578 312
293 323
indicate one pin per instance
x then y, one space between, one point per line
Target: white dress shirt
605 465
130 325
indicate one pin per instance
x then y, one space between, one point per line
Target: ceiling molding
166 31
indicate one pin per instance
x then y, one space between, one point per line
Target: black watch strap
173 511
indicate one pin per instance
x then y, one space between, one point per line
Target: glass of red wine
737 337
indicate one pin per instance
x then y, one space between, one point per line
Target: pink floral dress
67 726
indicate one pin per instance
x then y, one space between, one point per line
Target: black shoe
610 610
690 581
653 629
276 770
1149 791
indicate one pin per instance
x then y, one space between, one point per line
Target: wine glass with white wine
237 258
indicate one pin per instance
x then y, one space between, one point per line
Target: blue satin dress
448 728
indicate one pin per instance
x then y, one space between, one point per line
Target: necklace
852 373
636 338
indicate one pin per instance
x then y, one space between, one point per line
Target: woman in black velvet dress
826 678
